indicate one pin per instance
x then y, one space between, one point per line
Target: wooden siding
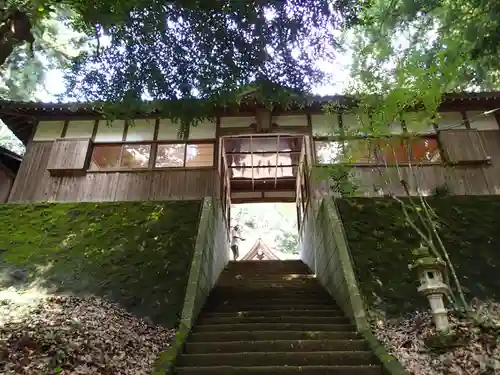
6 181
35 184
472 179
69 155
454 142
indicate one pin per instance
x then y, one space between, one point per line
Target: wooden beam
277 160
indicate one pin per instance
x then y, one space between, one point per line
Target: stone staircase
273 317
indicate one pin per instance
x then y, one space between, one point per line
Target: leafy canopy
169 50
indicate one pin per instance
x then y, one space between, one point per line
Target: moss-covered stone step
231 308
274 265
264 280
274 319
272 327
257 276
276 289
284 370
334 358
290 275
307 300
268 292
270 335
277 313
276 345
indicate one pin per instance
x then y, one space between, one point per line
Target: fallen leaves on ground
69 335
473 350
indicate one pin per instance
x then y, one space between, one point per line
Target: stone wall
137 254
380 243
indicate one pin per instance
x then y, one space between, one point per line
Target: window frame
152 155
405 138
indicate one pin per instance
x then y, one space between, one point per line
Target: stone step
289 274
275 346
270 335
271 320
269 293
333 312
272 264
262 280
245 327
214 302
228 308
281 370
335 358
306 285
268 287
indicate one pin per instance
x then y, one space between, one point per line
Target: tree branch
15 30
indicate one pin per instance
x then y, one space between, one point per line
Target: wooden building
260 252
9 166
247 155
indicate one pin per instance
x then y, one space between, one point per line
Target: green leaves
192 49
434 45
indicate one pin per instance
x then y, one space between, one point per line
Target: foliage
381 240
137 254
10 141
457 36
186 48
276 224
287 242
23 74
195 49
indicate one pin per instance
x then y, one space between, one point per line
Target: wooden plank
424 179
462 146
466 180
32 174
99 187
6 182
133 186
198 184
69 155
491 142
69 188
167 185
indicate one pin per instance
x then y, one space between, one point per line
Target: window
135 156
424 150
329 152
171 155
138 156
392 151
199 155
360 151
105 157
379 151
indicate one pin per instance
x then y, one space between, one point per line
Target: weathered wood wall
6 181
35 184
69 154
474 170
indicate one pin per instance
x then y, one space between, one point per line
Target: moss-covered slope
381 243
135 253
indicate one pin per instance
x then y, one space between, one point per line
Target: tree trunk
15 30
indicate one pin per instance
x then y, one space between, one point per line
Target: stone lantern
430 271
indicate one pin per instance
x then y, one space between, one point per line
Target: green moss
381 243
135 253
